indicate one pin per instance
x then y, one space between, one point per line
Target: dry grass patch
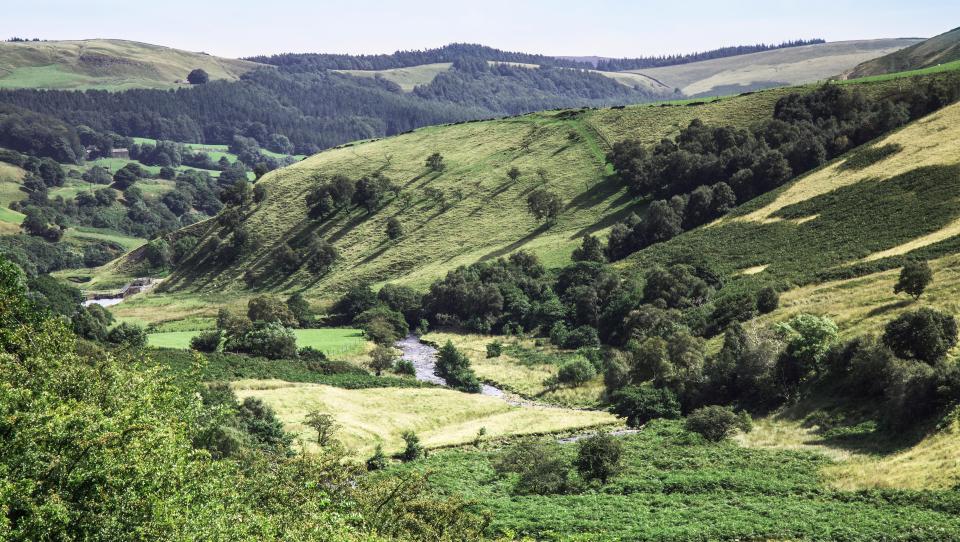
440 417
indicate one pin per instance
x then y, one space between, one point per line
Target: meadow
440 417
334 342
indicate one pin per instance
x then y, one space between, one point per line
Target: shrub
767 300
198 77
208 341
405 367
539 464
128 335
394 228
414 450
914 279
382 325
911 393
311 354
576 372
378 461
558 334
598 457
925 334
382 358
716 423
640 404
494 349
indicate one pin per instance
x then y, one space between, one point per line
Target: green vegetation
678 487
931 54
333 342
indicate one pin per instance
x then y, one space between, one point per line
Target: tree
197 77
324 424
925 334
413 450
454 368
539 465
267 309
544 204
300 309
598 457
394 228
716 423
382 358
808 338
513 173
126 176
207 341
129 335
589 250
914 279
158 253
435 162
640 404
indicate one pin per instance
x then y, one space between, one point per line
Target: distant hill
936 50
779 67
107 64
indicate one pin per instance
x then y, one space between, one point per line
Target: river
424 359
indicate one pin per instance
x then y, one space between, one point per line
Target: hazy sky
559 27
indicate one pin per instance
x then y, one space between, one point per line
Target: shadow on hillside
610 220
885 308
853 426
516 244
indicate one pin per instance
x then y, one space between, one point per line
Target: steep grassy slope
830 222
780 67
936 50
106 64
485 214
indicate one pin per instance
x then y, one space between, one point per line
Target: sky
614 28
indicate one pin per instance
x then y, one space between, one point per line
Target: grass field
779 67
334 342
674 486
106 64
440 417
932 53
522 368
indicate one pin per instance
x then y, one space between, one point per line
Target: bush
382 325
598 457
311 354
268 309
539 464
272 341
208 341
925 334
382 358
494 349
414 450
128 335
558 334
582 337
576 372
378 461
716 423
767 300
405 367
640 404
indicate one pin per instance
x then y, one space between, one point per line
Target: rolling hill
472 211
932 52
779 67
107 64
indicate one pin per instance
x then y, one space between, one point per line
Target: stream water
424 359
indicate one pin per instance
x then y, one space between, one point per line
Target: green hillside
932 52
483 213
779 67
107 64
